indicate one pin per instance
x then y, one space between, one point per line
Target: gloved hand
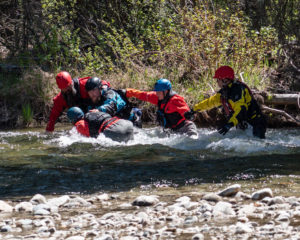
137 111
123 91
190 115
223 130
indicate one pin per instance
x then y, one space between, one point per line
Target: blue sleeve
113 103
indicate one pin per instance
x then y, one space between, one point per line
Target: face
161 95
67 89
94 95
223 82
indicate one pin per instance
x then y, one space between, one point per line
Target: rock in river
230 191
5 207
266 192
145 200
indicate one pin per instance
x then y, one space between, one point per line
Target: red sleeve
82 127
150 97
178 104
82 82
59 104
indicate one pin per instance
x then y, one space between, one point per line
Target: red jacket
59 104
174 110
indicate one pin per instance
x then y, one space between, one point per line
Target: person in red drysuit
72 93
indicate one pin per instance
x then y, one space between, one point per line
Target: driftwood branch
282 99
281 112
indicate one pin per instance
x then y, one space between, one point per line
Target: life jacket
173 120
226 94
73 98
98 122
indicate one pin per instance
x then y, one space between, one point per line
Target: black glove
223 130
190 115
123 92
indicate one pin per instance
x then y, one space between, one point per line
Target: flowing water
65 162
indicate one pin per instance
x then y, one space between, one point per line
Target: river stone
211 197
276 200
145 201
5 207
223 209
38 199
242 228
129 238
24 207
183 199
247 210
59 201
6 228
41 209
230 191
242 195
190 220
198 236
22 222
103 197
266 192
283 217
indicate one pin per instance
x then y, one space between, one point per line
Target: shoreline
231 212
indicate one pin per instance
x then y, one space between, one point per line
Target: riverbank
230 212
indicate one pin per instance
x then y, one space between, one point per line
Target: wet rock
24 223
242 228
223 209
38 199
198 236
211 197
5 207
58 201
266 192
24 207
243 219
129 238
145 201
204 208
230 191
6 228
247 210
125 206
77 202
183 199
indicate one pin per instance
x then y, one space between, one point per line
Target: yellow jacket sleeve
238 105
213 101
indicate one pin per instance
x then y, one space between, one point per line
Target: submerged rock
266 192
145 201
58 201
230 191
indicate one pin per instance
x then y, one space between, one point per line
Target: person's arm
239 106
179 105
150 97
112 103
212 102
59 104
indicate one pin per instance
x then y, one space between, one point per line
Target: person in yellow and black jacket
238 103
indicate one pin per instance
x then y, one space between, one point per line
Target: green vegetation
134 42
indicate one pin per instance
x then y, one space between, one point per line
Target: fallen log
282 99
281 112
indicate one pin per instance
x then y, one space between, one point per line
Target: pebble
230 191
266 192
223 209
198 236
5 207
276 200
104 237
41 209
212 197
145 201
242 228
58 201
24 207
75 238
6 228
38 199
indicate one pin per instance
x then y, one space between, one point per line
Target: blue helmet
74 114
162 85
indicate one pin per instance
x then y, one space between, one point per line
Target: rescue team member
113 102
95 122
171 107
238 103
72 93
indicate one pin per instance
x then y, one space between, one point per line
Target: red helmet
224 72
63 80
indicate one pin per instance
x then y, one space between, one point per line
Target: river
65 162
